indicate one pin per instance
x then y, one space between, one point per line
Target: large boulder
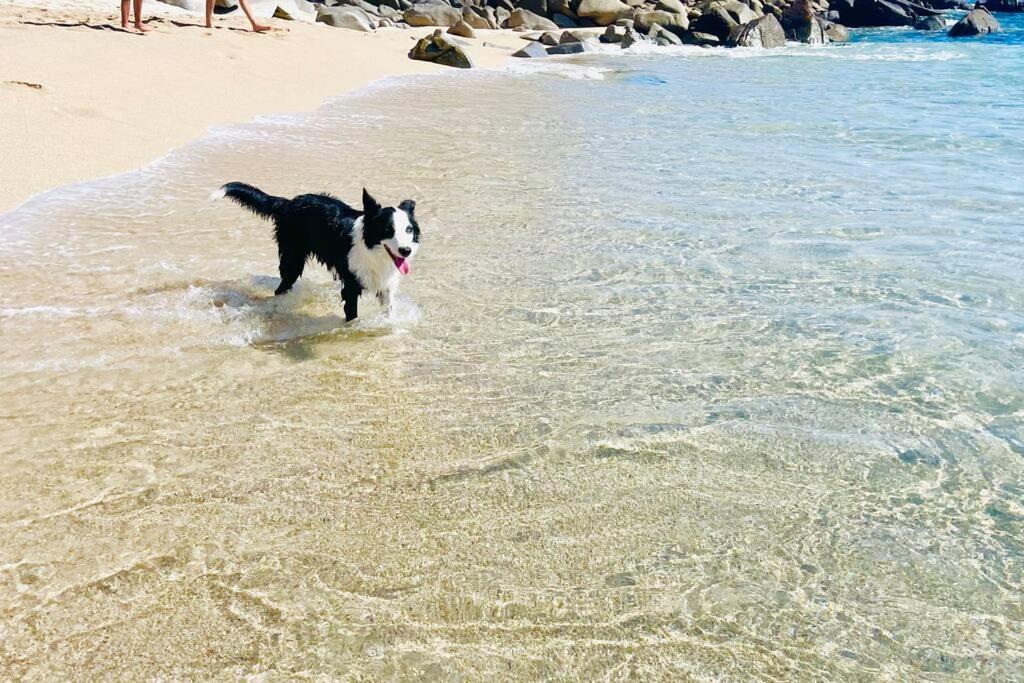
800 23
603 12
533 50
529 21
978 21
538 7
930 23
564 21
439 51
432 14
701 39
474 17
714 21
568 49
463 30
673 21
836 33
1004 5
346 17
613 34
764 31
859 13
633 37
675 6
662 36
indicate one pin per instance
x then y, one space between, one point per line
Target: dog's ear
408 205
370 205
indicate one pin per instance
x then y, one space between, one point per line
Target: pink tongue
402 266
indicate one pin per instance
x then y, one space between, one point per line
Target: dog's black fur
324 227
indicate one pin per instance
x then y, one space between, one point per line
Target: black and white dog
367 250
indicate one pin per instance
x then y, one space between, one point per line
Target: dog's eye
409 230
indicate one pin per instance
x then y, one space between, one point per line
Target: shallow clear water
710 365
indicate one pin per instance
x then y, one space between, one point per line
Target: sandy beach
81 98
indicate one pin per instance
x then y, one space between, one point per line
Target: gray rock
673 21
474 18
858 13
763 32
674 6
570 37
663 36
715 21
533 50
701 39
432 14
563 21
346 17
613 34
538 7
603 12
463 29
633 37
526 19
930 23
978 21
568 49
439 50
550 38
801 24
836 33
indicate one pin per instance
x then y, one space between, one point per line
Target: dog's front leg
350 291
386 298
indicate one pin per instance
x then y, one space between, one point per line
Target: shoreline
75 117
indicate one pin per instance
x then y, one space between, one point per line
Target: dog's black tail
254 199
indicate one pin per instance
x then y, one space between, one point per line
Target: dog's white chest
374 269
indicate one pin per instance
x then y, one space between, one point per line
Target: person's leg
138 17
124 13
209 13
258 28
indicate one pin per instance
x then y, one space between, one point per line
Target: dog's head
395 230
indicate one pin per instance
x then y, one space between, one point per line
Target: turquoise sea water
712 365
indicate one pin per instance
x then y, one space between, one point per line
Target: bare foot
124 25
260 28
140 28
209 24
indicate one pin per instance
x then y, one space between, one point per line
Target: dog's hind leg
292 265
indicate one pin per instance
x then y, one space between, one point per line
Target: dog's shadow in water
281 324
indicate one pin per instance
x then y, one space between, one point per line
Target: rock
700 39
836 33
739 12
1004 6
570 37
473 17
674 6
763 32
673 21
463 29
663 36
432 14
800 23
632 37
439 50
502 15
563 21
367 7
978 21
715 21
612 34
530 21
533 50
930 23
346 17
568 49
603 12
858 13
538 7
550 38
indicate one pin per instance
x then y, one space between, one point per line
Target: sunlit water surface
711 365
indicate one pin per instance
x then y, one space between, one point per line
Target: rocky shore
558 27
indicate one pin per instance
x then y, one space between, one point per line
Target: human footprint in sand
138 15
258 28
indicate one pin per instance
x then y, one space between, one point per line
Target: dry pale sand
81 98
